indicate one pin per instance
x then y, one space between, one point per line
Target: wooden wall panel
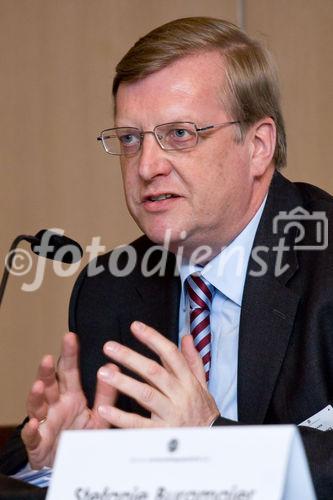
299 33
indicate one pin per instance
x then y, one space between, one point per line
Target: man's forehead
192 79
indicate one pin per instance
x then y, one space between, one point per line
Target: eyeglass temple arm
204 128
99 138
214 126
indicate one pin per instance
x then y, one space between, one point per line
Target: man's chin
168 238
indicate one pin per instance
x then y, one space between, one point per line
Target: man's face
212 186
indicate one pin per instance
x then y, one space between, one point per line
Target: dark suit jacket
285 359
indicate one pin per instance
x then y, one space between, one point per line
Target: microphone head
55 246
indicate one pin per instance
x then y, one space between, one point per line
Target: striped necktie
200 293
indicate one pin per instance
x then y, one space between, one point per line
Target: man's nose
153 160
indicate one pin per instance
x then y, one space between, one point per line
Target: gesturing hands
175 392
57 402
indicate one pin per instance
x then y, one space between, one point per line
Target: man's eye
179 133
128 139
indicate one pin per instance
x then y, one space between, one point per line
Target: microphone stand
8 266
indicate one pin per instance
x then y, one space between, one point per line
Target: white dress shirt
227 272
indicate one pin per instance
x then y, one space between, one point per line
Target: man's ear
263 139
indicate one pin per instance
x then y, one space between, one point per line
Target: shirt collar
227 271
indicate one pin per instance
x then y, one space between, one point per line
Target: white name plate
220 463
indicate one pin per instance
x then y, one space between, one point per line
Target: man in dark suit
201 138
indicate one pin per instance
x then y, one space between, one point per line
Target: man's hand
175 392
56 402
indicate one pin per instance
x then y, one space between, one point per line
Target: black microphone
45 243
55 246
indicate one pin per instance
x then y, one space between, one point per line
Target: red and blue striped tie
200 293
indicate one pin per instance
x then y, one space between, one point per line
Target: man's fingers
124 420
30 435
37 406
106 394
148 397
193 359
149 370
164 348
47 374
171 358
68 371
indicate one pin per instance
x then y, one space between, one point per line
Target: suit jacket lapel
268 307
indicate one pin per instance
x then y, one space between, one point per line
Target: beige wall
56 69
299 33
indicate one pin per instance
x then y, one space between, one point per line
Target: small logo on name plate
173 445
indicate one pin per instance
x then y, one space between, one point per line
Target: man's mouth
161 197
